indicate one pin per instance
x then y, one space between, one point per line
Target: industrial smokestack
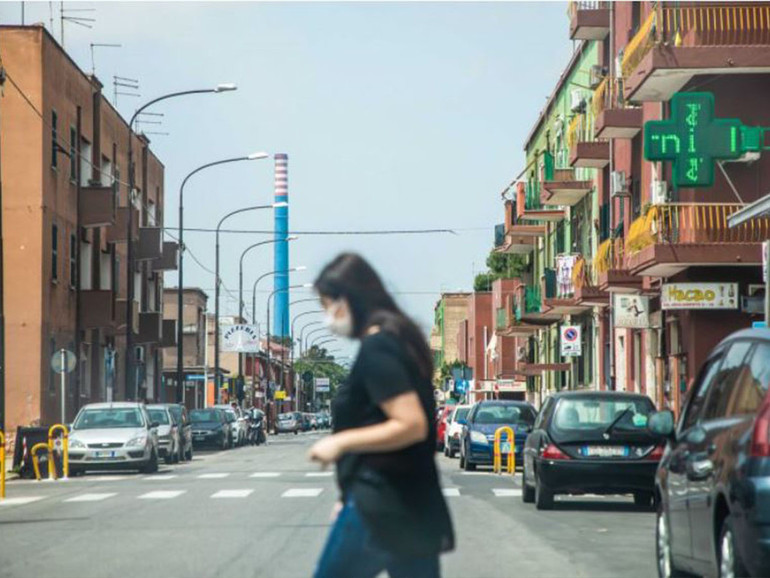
281 283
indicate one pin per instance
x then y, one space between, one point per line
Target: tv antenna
100 45
79 20
119 82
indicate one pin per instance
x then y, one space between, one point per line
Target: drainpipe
611 67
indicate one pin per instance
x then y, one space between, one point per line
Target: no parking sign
571 342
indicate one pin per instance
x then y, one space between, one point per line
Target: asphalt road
264 512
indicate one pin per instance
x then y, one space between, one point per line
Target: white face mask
342 326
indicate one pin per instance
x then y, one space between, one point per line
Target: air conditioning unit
596 75
618 184
577 101
139 354
755 290
659 192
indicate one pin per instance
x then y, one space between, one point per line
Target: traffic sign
322 384
571 343
280 395
63 361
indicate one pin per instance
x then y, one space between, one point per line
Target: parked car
453 429
288 422
184 429
210 428
117 435
441 418
483 420
168 433
590 441
238 426
322 419
713 483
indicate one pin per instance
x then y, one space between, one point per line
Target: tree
501 266
319 363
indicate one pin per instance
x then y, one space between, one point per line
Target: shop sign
571 342
631 311
240 338
322 384
699 296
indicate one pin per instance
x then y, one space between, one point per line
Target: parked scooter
256 432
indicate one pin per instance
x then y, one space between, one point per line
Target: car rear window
285 417
204 415
158 415
505 414
596 413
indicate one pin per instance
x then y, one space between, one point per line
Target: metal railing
532 200
581 129
530 302
727 25
574 6
693 223
610 255
607 95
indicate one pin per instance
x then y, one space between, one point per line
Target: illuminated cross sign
693 140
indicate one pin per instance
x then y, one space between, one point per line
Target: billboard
631 311
239 338
699 296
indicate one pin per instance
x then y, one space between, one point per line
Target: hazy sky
394 116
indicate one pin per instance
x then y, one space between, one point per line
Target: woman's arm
406 425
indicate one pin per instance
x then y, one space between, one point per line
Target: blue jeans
350 553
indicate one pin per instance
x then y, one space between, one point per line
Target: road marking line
19 501
265 475
477 473
90 497
103 478
217 476
451 492
302 493
232 494
506 492
319 474
161 477
162 495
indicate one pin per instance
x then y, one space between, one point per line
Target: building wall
455 310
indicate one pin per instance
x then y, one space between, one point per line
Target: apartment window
86 171
73 155
54 137
73 260
54 253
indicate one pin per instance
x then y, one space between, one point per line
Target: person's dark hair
351 277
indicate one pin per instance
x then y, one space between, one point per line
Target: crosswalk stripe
19 501
451 492
302 493
162 495
265 475
103 478
232 494
160 478
506 492
90 497
214 476
319 474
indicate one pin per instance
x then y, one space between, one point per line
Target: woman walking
391 514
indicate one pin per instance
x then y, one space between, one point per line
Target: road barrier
2 465
497 463
65 462
35 461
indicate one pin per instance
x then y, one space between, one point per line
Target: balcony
534 210
676 43
562 300
564 189
612 119
584 151
150 327
119 231
672 237
612 274
589 20
97 309
587 290
150 245
530 308
120 316
96 206
169 333
169 257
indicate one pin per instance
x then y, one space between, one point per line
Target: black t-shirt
381 372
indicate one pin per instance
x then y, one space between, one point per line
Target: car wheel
730 563
666 568
462 460
152 465
543 496
644 500
467 465
527 491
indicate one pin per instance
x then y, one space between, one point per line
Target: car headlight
76 444
136 442
478 438
165 438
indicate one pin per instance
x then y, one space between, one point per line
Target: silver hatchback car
117 435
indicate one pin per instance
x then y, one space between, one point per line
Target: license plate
505 447
605 451
104 455
199 438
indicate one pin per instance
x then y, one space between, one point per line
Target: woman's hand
336 509
326 451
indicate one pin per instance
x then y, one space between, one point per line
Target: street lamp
307 337
180 283
302 331
291 363
318 344
130 379
217 380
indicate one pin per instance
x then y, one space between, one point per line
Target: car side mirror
661 424
696 435
154 424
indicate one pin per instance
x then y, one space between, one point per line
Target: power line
340 232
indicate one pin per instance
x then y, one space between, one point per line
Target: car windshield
176 411
109 418
596 413
461 413
158 415
505 414
285 417
203 415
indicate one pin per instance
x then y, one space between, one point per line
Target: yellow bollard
34 458
2 465
497 463
65 468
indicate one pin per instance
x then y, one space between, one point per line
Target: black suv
713 484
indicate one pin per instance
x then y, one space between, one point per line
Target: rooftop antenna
123 82
100 45
144 120
79 20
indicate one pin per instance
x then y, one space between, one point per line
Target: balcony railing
609 256
581 129
607 95
693 223
728 25
532 200
582 274
575 6
530 302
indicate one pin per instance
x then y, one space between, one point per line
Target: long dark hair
351 277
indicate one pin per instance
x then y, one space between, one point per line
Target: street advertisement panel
322 385
699 296
631 311
240 338
571 341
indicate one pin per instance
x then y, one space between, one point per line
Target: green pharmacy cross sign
693 140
